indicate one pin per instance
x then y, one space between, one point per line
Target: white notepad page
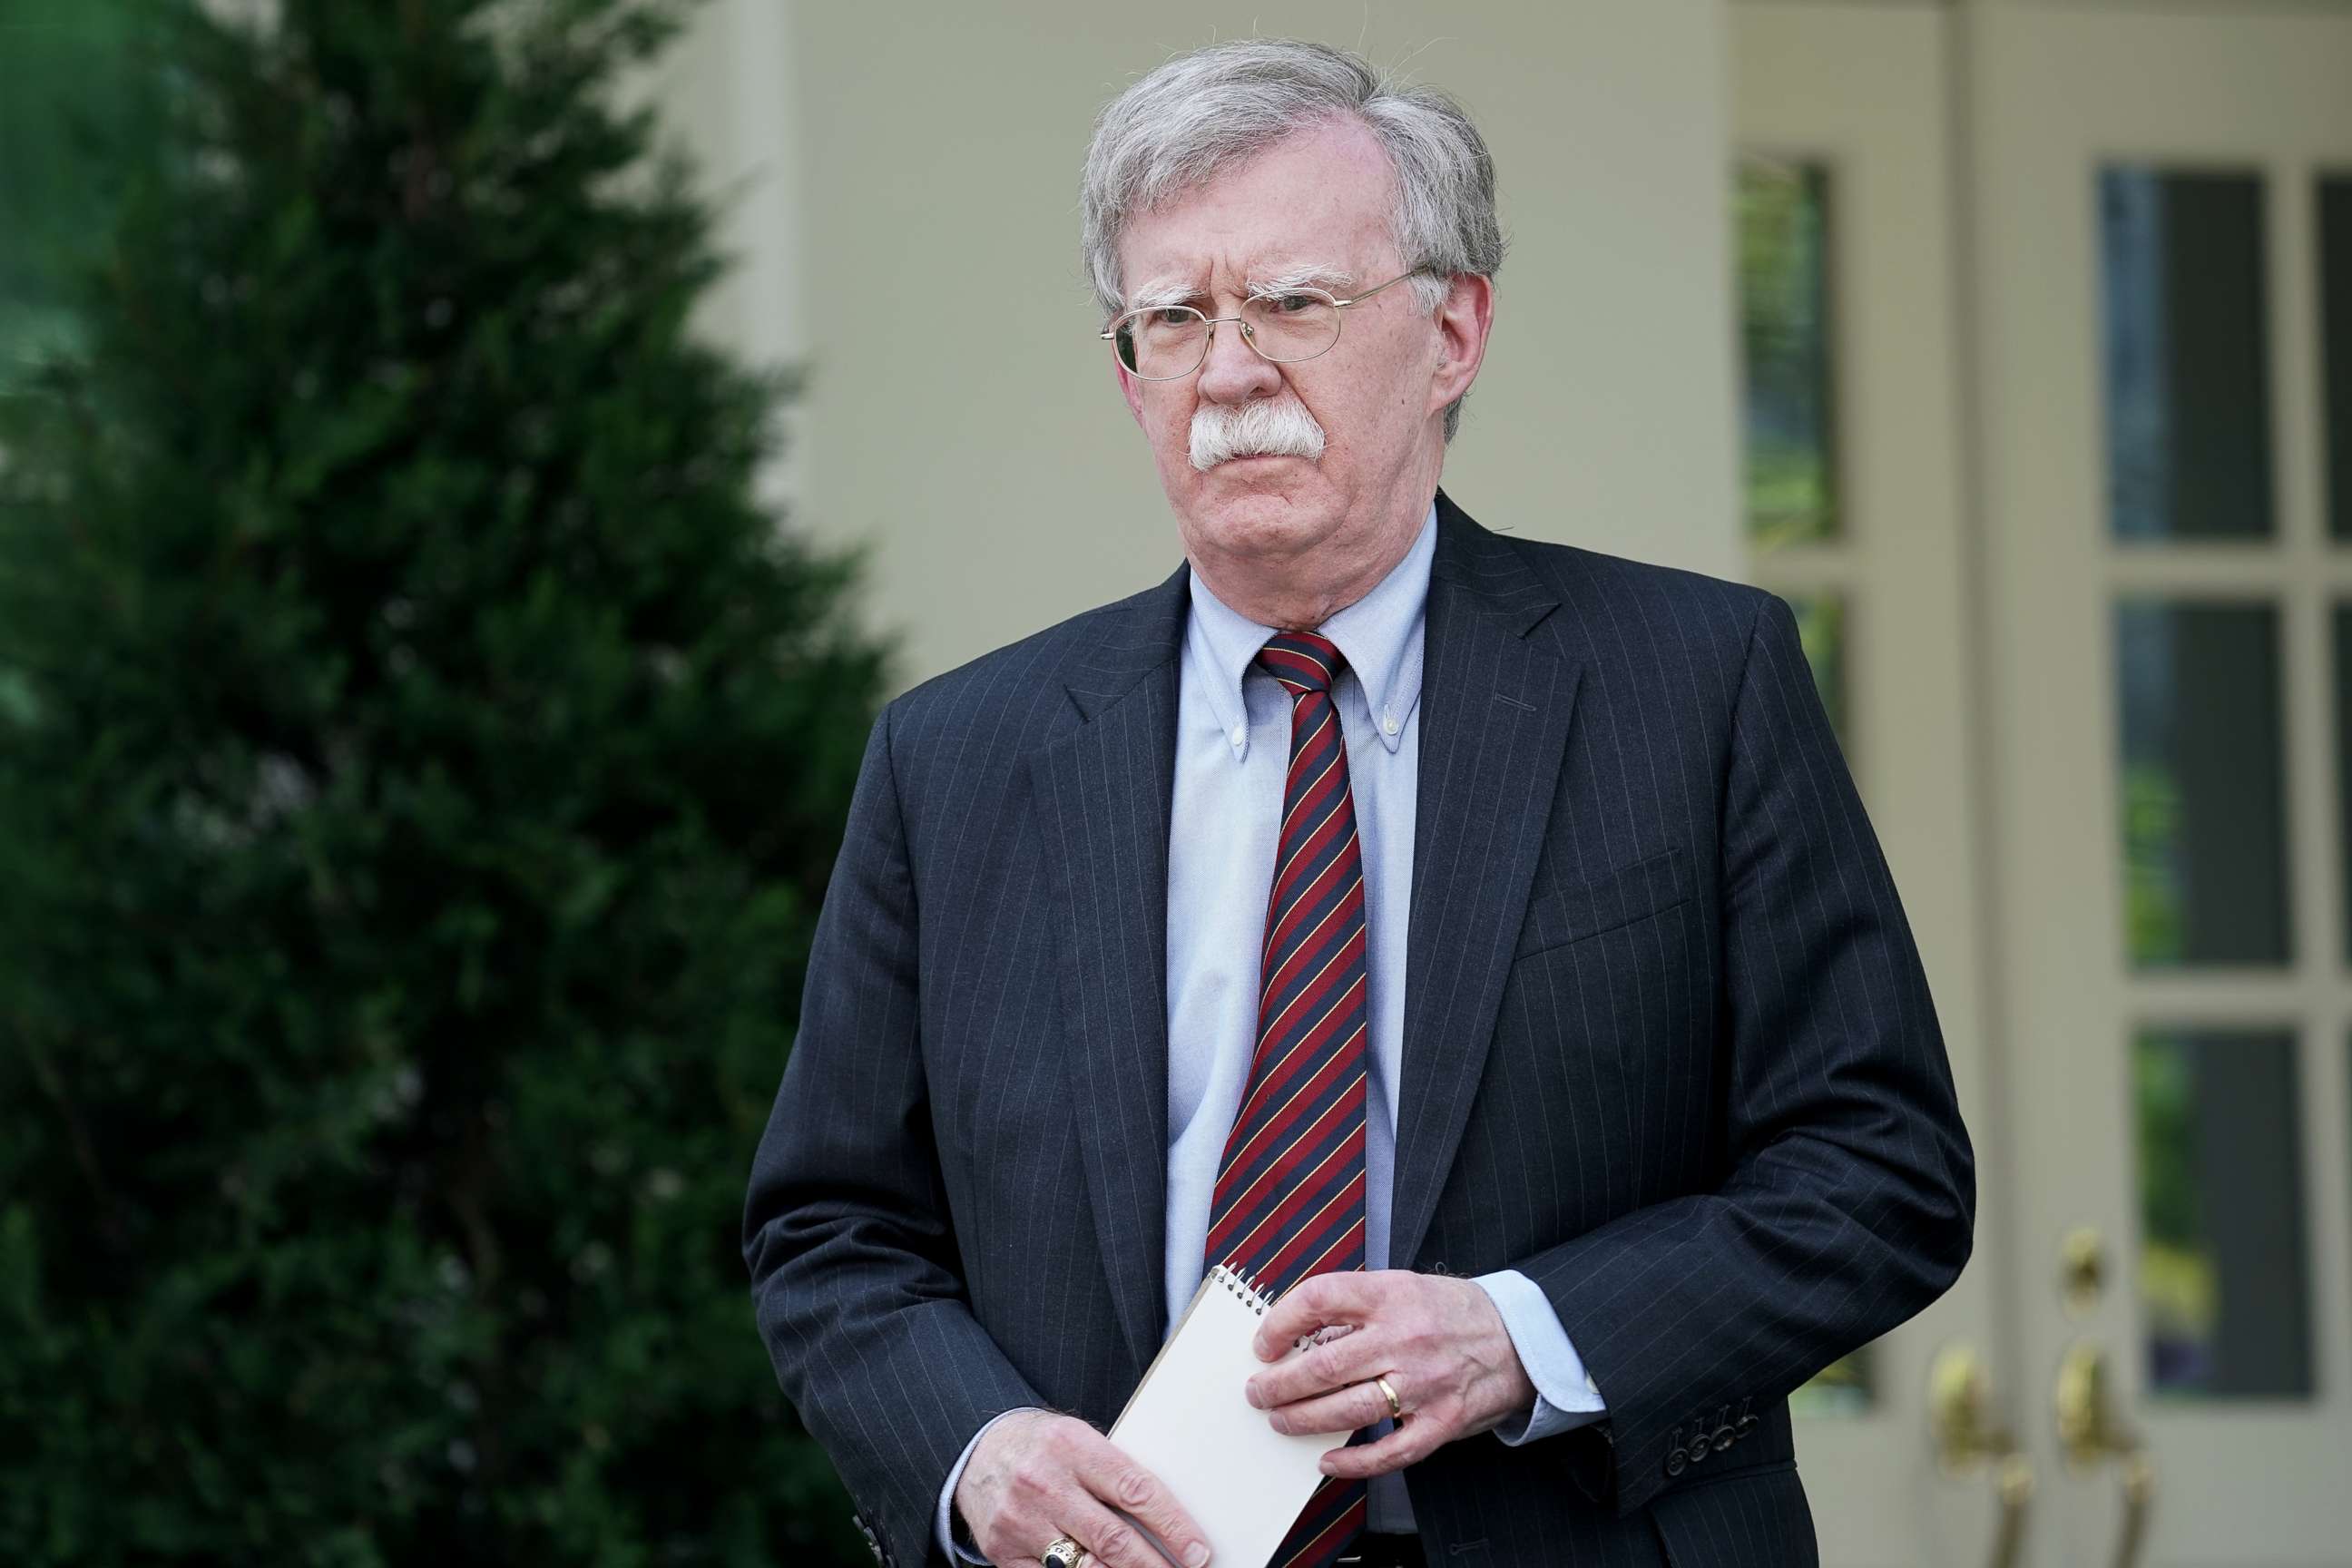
1190 1424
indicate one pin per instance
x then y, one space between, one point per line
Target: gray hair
1205 111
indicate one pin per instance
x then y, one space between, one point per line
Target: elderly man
1479 941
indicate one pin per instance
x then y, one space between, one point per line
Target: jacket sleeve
856 1281
1849 1197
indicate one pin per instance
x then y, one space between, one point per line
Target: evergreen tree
421 759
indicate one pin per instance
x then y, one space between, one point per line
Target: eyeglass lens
1170 341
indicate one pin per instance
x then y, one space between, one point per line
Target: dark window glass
1844 1387
2336 344
1784 333
2224 1287
2202 796
2188 367
1822 629
2343 694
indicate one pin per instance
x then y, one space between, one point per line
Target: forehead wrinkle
1173 288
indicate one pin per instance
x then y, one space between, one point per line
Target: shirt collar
1380 636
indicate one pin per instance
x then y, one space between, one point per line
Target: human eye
1166 318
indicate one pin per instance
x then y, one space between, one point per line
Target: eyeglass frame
1110 336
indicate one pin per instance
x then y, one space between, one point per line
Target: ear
1128 388
1463 322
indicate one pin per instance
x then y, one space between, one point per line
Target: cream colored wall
905 155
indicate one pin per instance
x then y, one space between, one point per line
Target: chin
1249 521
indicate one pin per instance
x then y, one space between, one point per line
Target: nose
1234 372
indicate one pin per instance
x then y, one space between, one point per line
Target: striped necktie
1289 1196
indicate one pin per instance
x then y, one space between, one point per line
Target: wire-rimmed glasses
1166 343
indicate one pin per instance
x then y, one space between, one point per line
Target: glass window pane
1844 1387
2224 1287
2187 382
2335 343
1784 333
1821 629
2202 792
2343 673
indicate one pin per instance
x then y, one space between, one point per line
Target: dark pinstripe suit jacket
1668 1049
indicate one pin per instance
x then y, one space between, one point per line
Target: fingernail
1196 1554
1249 1392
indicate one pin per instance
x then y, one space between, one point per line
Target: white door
2161 241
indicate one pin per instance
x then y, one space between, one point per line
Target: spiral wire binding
1252 1296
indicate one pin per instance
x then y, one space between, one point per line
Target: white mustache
1259 428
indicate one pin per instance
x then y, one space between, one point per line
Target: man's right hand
1036 1477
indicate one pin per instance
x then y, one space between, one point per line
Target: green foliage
61 82
420 762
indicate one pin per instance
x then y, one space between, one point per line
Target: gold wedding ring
1064 1554
1396 1411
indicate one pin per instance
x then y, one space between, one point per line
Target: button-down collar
1380 636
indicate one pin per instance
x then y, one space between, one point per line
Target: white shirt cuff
1565 1395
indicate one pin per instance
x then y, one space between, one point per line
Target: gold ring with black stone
1063 1553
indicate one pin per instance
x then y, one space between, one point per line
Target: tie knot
1303 661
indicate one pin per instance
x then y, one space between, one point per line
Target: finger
1414 1439
1021 1531
1358 1404
1110 1540
1117 1479
1348 1296
1323 1369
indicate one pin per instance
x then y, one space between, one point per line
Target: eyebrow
1313 274
1178 291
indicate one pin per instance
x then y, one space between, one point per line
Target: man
1478 940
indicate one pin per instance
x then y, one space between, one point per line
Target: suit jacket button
1678 1462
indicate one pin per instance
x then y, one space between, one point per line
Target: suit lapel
1495 710
1104 789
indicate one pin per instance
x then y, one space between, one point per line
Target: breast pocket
1617 897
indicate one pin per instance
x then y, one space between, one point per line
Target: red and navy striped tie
1289 1196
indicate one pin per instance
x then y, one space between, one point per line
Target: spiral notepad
1190 1424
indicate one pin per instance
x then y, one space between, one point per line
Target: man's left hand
1437 1338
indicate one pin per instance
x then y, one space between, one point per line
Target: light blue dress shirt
1232 751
